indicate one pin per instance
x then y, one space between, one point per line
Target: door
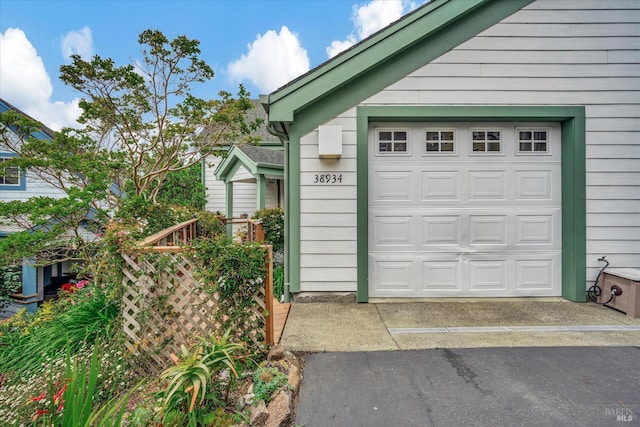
464 209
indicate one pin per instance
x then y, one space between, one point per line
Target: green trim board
383 59
292 215
228 205
572 120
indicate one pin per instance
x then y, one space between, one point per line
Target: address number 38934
327 178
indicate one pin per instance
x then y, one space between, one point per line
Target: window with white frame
391 141
440 141
9 175
486 141
533 140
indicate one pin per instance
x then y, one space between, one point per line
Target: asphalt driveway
534 386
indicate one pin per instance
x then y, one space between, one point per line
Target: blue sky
262 44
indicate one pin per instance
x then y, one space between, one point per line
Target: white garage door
464 209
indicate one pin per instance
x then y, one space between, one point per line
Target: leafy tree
141 126
148 113
184 188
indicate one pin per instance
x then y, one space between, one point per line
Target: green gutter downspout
284 138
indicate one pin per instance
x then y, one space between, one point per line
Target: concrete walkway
455 323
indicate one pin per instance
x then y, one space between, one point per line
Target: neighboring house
245 196
477 148
260 166
19 186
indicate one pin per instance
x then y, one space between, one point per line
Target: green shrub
89 315
194 376
152 217
210 225
278 282
273 226
234 272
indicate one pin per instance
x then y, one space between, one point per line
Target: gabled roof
43 133
256 160
381 59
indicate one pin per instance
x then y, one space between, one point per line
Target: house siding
581 52
215 189
244 194
34 187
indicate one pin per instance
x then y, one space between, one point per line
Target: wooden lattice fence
165 305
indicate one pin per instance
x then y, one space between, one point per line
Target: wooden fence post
268 296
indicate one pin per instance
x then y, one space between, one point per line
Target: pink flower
82 283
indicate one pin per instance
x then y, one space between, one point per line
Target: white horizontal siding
215 189
511 70
244 193
328 213
569 52
244 198
613 178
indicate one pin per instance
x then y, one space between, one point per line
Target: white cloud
370 17
272 60
78 42
25 83
338 46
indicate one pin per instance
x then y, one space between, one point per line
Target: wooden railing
255 232
172 239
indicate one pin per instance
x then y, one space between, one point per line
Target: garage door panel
534 229
488 230
487 275
441 276
394 275
441 185
535 274
487 185
441 230
533 185
393 186
393 231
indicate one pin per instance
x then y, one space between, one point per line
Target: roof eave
438 23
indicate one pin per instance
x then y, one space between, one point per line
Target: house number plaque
327 178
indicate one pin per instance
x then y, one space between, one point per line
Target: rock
277 352
240 403
248 398
292 359
294 378
280 409
259 414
